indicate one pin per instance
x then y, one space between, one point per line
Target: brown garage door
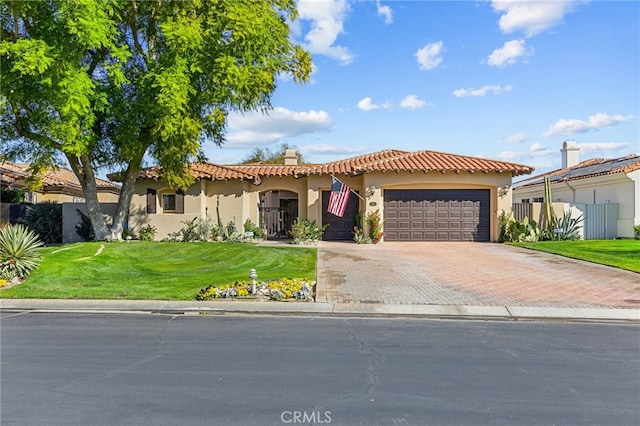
340 228
436 215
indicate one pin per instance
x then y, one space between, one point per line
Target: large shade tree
106 84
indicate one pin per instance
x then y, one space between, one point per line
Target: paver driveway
444 273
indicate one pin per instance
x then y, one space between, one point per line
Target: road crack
377 358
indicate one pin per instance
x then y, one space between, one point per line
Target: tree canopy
266 156
103 84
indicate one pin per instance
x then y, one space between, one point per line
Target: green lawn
624 254
148 270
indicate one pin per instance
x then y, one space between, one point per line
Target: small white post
253 276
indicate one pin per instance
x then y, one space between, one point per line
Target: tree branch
134 30
25 132
96 58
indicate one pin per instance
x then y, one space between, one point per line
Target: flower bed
297 289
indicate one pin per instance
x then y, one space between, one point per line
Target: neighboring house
600 182
58 185
422 196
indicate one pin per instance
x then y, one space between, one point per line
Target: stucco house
59 185
597 182
422 196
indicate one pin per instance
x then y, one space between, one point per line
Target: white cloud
591 147
536 150
263 129
333 150
516 138
509 53
595 122
541 156
531 17
537 147
385 11
496 90
412 102
327 23
429 56
366 104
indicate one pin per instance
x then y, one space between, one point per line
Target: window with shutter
151 201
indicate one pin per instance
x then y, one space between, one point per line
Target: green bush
12 196
303 231
636 231
84 229
196 229
19 249
249 226
45 219
147 233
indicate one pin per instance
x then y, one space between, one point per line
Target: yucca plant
19 251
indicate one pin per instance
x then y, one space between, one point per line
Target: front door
340 228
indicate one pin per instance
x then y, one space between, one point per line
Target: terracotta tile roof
586 169
57 177
425 161
201 171
383 161
271 169
356 164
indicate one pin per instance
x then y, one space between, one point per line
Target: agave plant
568 227
19 247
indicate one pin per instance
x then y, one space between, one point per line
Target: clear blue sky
506 80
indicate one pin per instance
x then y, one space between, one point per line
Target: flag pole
354 192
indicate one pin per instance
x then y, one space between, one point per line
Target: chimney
290 157
570 155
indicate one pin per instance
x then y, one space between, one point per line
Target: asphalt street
151 369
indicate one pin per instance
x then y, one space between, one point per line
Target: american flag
338 198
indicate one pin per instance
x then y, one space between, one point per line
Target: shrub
147 233
249 226
19 249
359 237
503 221
636 231
45 219
303 231
12 195
375 226
84 229
196 229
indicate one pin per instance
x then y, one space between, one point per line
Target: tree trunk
81 166
124 201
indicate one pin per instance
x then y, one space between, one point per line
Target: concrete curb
320 309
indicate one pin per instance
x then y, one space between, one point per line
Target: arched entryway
278 211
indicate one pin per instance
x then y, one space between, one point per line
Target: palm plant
19 247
